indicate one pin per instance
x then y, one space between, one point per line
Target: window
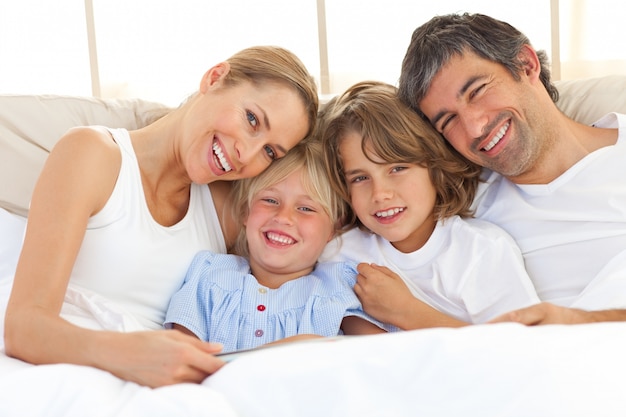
159 49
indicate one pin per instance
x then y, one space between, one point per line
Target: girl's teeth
275 237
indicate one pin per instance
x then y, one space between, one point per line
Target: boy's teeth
389 212
220 156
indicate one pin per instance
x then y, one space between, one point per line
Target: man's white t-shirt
572 231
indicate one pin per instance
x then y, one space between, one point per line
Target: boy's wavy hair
394 133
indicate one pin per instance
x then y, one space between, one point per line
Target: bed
484 370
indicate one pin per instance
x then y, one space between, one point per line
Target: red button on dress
260 307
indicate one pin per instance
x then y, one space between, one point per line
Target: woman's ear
530 62
214 76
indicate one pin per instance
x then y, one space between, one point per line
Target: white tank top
130 259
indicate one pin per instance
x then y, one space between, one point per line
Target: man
557 186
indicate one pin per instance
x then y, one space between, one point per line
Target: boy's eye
309 209
269 200
252 119
398 168
358 178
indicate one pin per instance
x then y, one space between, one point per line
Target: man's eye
477 90
446 123
270 152
252 119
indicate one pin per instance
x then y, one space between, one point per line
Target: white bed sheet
486 370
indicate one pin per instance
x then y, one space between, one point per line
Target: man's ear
530 62
214 76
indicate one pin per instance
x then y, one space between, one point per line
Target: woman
119 215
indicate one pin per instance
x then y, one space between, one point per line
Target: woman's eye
270 152
358 179
252 119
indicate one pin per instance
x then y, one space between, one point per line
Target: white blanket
486 370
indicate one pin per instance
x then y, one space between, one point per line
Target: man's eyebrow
459 94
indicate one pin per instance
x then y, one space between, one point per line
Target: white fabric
468 269
504 370
572 231
130 259
30 125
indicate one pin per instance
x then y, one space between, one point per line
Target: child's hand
383 293
386 297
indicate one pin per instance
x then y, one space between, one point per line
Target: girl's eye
309 209
270 200
270 152
252 119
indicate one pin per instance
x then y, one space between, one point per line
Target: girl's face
286 231
394 201
236 132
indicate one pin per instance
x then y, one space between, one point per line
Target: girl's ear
214 76
530 62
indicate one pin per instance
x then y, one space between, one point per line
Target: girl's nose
284 215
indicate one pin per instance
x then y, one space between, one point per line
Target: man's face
485 114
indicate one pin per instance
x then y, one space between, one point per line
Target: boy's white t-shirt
572 231
469 269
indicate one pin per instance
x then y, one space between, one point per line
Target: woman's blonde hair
306 157
272 63
395 134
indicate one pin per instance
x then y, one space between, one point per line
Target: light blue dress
222 301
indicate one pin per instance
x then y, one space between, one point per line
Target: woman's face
238 131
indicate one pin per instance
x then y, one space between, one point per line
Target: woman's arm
76 181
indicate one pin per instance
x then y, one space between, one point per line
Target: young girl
273 288
431 265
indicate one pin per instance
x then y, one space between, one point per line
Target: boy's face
287 231
394 201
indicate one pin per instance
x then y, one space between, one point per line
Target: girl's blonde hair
272 63
396 134
306 157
